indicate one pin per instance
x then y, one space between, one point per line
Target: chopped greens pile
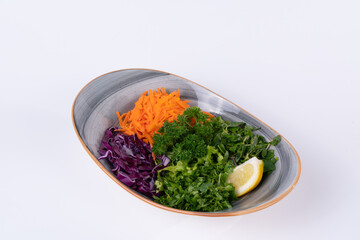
203 153
195 154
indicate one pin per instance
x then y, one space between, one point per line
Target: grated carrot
151 110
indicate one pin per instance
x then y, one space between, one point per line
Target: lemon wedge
246 176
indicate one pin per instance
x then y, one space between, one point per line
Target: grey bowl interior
94 112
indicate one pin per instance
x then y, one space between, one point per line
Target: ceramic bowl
94 111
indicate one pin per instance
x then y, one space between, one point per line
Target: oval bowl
94 109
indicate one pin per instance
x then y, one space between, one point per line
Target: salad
183 157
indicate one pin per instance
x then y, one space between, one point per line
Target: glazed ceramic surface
94 111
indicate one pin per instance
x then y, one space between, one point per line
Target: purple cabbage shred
132 159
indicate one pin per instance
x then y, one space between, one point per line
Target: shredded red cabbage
132 159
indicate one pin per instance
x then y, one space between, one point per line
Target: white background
293 64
